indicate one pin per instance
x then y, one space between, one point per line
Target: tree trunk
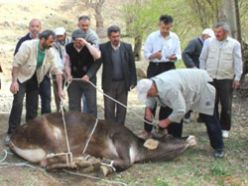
99 21
137 47
228 14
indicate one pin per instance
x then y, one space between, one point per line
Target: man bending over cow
181 91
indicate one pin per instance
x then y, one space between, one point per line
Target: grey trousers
76 90
113 111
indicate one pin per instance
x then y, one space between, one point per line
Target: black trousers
30 88
75 92
214 130
154 69
113 111
45 95
224 92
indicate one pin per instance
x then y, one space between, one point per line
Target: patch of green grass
219 170
161 182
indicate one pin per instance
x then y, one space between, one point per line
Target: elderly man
45 85
191 56
162 50
193 50
60 56
32 62
221 58
181 91
81 64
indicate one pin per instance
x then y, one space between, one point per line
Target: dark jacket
192 53
24 38
82 63
128 63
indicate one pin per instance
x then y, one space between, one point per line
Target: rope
89 138
69 159
4 157
96 178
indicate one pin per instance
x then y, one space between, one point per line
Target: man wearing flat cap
183 90
81 63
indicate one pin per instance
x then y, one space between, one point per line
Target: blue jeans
45 95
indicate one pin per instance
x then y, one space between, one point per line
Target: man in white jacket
33 61
181 91
221 58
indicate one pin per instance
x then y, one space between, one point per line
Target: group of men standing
204 90
40 56
176 92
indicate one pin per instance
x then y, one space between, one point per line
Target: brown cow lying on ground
37 140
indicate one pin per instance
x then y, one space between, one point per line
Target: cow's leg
123 160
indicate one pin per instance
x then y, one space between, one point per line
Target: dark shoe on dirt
219 154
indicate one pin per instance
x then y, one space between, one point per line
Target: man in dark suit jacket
118 76
191 56
193 50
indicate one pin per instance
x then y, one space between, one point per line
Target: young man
221 57
45 85
81 64
60 56
118 76
32 62
181 91
162 50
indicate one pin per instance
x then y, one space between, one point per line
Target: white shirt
167 45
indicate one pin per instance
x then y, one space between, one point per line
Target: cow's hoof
106 170
191 141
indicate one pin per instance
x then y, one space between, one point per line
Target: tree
206 11
142 18
97 6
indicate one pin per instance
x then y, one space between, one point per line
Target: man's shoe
144 135
7 140
225 133
219 154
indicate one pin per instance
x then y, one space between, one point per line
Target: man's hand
69 78
83 41
14 87
61 94
164 123
236 84
148 114
173 57
85 78
156 55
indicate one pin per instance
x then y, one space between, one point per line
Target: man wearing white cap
183 90
191 56
193 50
60 56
